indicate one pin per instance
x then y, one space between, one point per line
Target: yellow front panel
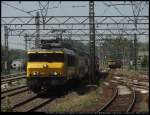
45 71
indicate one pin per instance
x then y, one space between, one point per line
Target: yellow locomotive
54 65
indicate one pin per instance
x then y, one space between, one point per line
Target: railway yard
75 57
114 94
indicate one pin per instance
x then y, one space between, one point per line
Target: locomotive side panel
83 67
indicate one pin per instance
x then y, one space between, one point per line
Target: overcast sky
65 8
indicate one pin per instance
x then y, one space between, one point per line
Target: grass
6 109
78 102
144 107
100 84
7 106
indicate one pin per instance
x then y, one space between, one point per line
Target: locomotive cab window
46 57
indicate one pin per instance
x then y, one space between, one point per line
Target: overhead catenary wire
17 8
71 6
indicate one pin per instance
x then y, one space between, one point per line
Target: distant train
53 65
114 63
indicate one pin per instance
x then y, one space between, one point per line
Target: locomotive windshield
46 57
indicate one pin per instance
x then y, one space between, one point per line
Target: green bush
6 109
145 62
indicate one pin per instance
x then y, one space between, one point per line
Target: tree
145 62
13 54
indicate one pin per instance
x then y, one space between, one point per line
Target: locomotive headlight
55 73
35 73
45 65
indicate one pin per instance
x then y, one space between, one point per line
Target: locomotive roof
52 50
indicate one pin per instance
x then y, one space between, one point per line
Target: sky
65 8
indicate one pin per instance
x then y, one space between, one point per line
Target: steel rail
10 75
134 84
133 100
109 102
14 93
5 91
115 96
12 79
42 104
25 101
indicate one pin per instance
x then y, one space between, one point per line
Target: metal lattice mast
92 42
6 66
37 39
136 10
26 45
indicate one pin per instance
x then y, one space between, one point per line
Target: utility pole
135 45
131 53
29 46
136 10
37 39
135 52
100 52
6 66
92 77
26 46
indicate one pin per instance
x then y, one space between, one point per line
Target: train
114 63
53 65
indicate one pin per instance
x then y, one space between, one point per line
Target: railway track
135 85
12 75
33 105
124 102
13 91
12 80
31 102
21 100
119 102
